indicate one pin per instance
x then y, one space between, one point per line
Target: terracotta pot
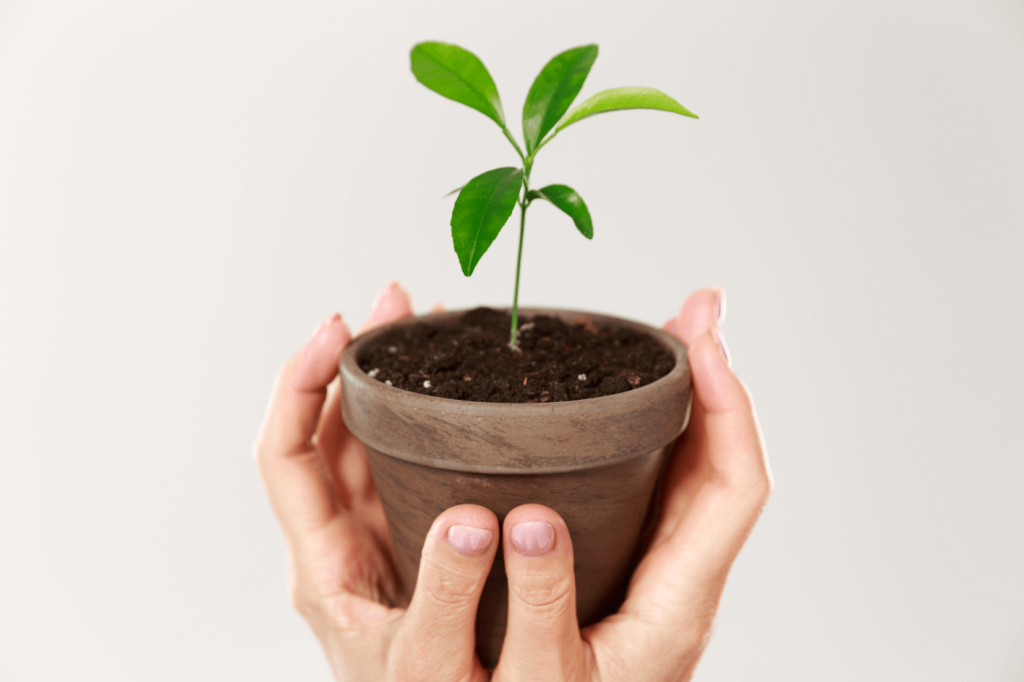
596 462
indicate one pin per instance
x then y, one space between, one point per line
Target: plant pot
596 462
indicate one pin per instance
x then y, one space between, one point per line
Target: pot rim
350 356
480 422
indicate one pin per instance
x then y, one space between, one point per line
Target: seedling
487 201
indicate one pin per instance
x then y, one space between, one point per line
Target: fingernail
328 321
534 539
720 305
384 299
469 541
319 361
721 345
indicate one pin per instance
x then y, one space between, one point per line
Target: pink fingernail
721 345
319 362
385 300
720 305
329 320
533 539
469 541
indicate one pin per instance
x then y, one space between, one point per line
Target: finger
735 450
392 303
543 637
293 473
716 487
344 455
331 433
437 633
721 456
701 309
345 459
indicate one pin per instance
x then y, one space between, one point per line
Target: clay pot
596 462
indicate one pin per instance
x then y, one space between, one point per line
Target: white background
187 188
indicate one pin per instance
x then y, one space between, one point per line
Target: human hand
341 563
715 485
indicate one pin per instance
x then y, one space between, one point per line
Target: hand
715 485
341 561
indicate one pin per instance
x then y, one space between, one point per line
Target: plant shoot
487 201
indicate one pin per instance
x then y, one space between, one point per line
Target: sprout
487 201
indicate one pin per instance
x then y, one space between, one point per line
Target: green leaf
459 75
481 210
553 92
617 99
570 203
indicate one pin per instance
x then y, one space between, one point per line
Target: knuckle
746 397
753 490
760 484
306 606
544 594
302 593
319 610
450 589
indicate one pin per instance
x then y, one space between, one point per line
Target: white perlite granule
582 377
374 372
387 383
426 384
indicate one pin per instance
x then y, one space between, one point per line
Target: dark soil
556 361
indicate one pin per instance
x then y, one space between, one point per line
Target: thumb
437 634
542 641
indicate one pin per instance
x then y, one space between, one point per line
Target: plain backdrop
187 188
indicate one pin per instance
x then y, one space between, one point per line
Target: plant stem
519 261
523 203
529 161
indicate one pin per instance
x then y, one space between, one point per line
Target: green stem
519 258
519 261
529 161
523 204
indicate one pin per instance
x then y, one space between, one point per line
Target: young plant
487 201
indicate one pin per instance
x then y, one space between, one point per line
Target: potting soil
555 361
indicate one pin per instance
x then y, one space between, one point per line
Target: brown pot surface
596 462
